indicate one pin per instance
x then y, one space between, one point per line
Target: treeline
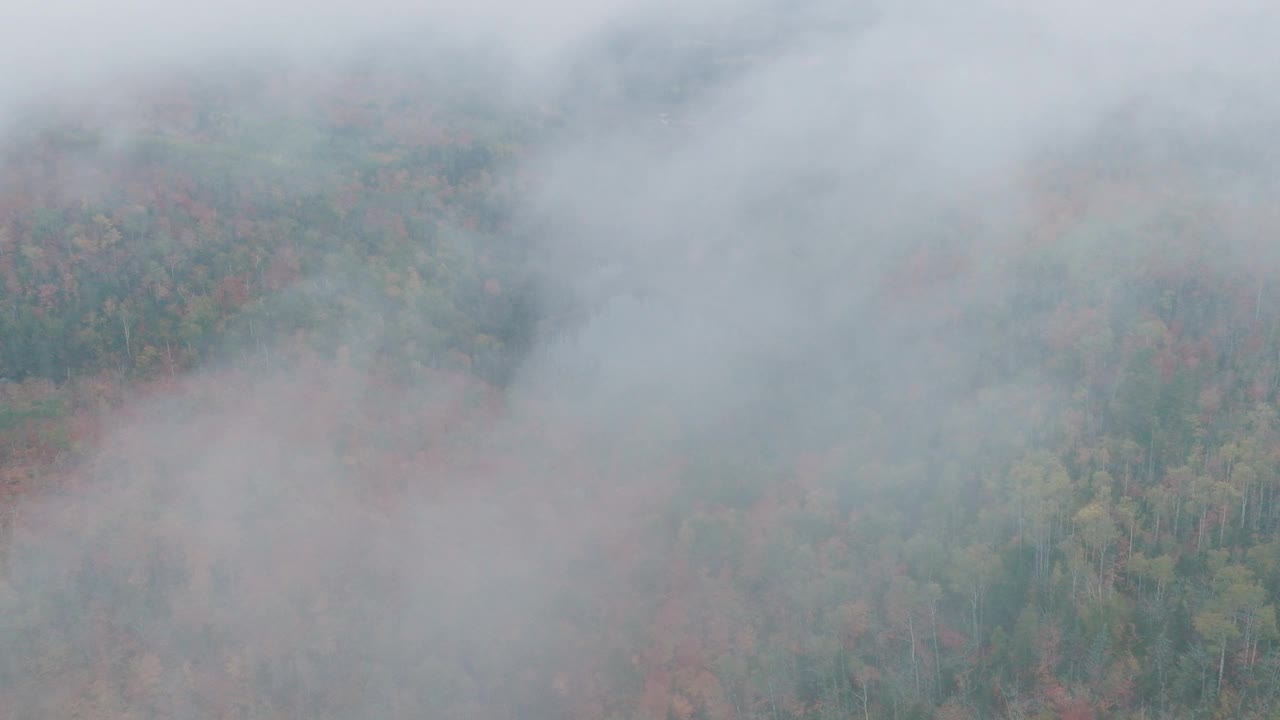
213 226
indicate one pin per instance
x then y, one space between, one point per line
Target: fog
718 275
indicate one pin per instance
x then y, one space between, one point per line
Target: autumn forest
730 366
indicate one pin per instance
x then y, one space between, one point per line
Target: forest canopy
790 361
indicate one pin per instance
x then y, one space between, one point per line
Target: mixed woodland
1065 506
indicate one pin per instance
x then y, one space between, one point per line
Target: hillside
380 390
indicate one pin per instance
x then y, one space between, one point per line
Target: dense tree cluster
1089 532
356 214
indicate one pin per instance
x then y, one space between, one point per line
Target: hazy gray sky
1077 46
